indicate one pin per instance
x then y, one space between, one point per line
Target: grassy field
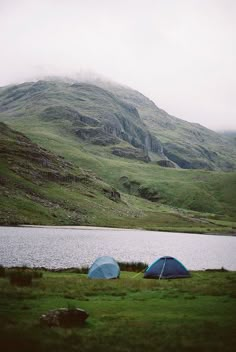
128 314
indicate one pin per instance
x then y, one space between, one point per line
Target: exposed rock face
131 153
105 113
112 129
58 112
64 318
96 135
112 194
117 121
179 156
166 163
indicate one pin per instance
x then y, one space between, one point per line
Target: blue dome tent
104 268
166 268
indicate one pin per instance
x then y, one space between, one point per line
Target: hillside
39 187
106 149
230 135
190 145
123 120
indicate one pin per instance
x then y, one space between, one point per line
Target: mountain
79 153
228 133
231 135
121 119
40 187
190 145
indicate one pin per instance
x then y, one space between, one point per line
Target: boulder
131 153
166 163
64 317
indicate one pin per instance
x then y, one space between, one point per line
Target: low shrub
2 271
20 277
23 276
133 266
222 269
36 274
82 270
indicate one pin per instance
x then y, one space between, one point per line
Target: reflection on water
63 248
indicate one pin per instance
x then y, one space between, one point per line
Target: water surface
64 248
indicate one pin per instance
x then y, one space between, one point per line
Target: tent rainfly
166 268
104 268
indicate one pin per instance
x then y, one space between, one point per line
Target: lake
74 247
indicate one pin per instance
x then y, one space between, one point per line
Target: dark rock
112 194
131 153
166 163
64 317
96 135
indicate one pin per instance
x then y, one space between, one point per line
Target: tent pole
162 270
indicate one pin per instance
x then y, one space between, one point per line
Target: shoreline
97 228
82 270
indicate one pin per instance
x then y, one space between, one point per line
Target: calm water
62 248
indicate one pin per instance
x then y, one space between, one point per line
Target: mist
181 54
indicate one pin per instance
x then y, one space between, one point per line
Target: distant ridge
117 117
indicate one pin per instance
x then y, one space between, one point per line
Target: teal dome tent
104 268
166 268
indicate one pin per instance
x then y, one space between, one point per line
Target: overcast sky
179 53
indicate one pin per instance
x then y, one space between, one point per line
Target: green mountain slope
190 145
39 187
97 130
118 117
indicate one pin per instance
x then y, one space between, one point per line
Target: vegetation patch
22 276
195 314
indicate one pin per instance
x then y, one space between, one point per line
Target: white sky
179 53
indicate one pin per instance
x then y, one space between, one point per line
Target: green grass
197 190
190 189
189 200
129 314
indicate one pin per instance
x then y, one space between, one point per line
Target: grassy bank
129 314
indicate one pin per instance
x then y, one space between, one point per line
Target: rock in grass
64 318
167 163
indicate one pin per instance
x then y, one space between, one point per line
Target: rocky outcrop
166 163
64 112
123 123
96 135
131 153
64 318
118 113
112 194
